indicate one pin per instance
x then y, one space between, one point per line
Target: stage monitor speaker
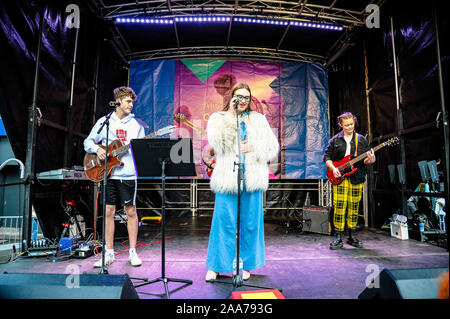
66 286
420 283
316 219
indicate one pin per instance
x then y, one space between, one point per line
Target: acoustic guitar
95 168
345 165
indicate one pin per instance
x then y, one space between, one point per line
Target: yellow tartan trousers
346 197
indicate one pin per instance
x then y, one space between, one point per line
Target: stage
300 264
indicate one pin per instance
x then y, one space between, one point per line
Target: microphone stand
237 277
104 270
237 280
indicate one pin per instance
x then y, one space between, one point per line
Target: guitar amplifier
317 219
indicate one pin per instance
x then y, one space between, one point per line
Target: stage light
215 19
432 166
200 19
424 171
399 219
391 169
428 171
147 20
401 173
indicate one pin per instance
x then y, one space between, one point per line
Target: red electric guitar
210 169
346 167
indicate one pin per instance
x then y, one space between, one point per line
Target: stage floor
301 264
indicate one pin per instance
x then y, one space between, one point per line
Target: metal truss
295 10
227 53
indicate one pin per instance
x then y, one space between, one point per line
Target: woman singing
258 145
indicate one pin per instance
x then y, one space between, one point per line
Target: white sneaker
134 259
211 275
109 258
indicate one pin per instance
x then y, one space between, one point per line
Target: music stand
163 157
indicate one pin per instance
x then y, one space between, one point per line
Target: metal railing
10 232
199 198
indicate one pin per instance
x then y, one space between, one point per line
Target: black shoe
337 243
352 240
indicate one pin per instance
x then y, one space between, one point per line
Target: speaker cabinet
66 286
420 283
316 219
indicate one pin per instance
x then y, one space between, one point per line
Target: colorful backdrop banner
292 96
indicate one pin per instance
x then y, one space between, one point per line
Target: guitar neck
363 156
125 148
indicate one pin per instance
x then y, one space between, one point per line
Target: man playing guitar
347 194
122 184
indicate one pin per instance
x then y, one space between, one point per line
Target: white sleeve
141 132
90 143
221 132
266 146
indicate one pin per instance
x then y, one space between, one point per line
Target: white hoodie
125 130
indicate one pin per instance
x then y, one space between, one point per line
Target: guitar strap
356 144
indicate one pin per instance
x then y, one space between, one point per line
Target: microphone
236 102
114 104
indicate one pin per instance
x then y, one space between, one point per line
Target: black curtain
19 33
415 43
347 87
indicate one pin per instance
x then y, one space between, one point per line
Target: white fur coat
221 131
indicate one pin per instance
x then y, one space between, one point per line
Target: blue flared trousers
222 238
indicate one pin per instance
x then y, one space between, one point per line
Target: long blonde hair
236 87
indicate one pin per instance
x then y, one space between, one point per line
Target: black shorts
120 192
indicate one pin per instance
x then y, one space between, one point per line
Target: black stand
163 152
71 212
72 219
237 280
58 254
103 269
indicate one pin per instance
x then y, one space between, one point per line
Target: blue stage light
215 19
